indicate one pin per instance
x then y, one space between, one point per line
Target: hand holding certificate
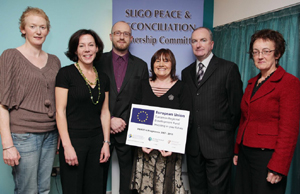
158 128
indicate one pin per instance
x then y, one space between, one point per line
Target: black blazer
120 102
216 108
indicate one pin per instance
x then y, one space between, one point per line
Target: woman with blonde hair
27 109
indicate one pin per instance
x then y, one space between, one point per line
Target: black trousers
251 173
209 176
87 177
125 157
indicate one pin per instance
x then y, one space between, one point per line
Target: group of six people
89 103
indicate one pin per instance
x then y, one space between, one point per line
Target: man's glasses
125 34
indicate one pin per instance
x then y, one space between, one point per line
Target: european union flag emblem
143 116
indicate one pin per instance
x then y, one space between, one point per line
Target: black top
81 113
176 97
257 86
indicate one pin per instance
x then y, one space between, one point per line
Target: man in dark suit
216 92
125 72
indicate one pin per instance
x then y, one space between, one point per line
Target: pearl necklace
88 83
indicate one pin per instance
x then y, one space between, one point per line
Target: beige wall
227 11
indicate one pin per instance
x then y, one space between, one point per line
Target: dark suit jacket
120 102
216 108
270 119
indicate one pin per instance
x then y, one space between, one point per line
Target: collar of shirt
205 62
115 57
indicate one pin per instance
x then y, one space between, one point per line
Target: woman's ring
69 163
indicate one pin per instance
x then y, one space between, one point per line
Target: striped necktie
200 72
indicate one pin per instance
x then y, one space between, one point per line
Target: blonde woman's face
35 30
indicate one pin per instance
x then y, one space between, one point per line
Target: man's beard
120 48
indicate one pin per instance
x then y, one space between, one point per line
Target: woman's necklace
87 82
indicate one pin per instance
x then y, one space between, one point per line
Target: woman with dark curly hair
83 117
269 124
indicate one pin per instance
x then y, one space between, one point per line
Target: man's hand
117 125
235 160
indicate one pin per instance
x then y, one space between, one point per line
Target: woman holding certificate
159 171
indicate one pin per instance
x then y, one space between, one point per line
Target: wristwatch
107 142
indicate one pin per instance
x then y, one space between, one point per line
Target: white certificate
158 128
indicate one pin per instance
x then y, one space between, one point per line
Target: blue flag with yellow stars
143 116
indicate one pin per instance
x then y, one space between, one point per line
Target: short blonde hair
32 11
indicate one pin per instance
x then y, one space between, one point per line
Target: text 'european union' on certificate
158 128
